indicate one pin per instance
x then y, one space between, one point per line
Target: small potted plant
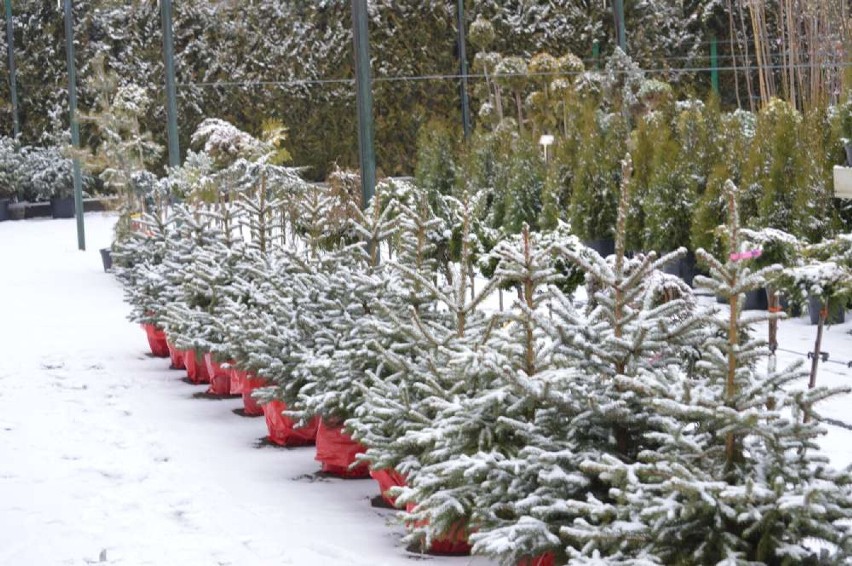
9 170
6 195
824 279
48 176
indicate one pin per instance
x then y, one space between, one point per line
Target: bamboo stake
734 54
758 42
747 55
783 39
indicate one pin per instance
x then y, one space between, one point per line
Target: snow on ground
106 457
797 335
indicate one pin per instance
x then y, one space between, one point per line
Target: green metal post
618 15
13 78
465 104
171 97
596 53
75 126
364 99
714 64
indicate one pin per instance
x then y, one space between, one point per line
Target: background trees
250 61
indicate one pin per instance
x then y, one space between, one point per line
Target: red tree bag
176 356
196 369
238 381
452 543
336 451
546 559
250 404
220 378
282 430
156 340
388 479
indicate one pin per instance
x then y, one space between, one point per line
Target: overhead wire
475 76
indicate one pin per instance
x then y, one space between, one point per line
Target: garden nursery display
592 312
639 427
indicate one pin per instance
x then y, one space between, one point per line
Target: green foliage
524 183
556 192
595 189
436 158
643 150
733 138
778 165
786 179
824 271
710 213
481 33
670 199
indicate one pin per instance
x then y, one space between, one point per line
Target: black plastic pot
4 209
106 258
17 211
605 247
754 300
62 207
793 309
683 268
836 311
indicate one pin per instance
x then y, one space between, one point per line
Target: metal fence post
714 64
75 126
618 14
465 103
171 99
13 79
364 98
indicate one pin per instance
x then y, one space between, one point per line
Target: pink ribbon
749 254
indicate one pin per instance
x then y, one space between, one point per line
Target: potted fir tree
124 150
9 166
824 280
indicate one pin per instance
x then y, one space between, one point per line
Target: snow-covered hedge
31 173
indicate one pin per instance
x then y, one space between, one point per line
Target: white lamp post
545 141
842 182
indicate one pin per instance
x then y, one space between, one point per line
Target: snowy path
105 456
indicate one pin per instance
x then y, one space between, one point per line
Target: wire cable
483 76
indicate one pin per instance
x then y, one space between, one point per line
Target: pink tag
749 254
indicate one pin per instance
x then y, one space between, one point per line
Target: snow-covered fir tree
138 262
348 287
430 316
391 402
736 477
484 421
582 409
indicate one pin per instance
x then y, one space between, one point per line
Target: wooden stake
823 315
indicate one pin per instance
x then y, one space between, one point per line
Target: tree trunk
772 302
520 104
823 314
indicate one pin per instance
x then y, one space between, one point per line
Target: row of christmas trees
639 428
